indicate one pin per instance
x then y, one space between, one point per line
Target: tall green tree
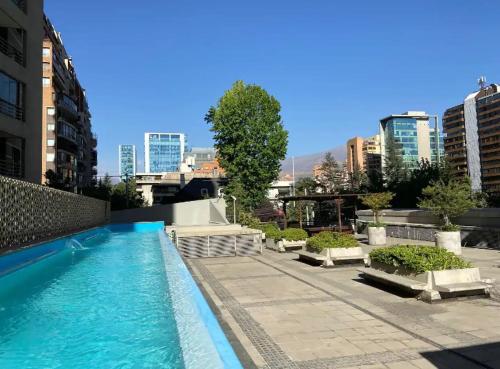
330 172
395 170
250 140
120 193
358 180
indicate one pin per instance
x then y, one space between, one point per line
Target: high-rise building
164 152
69 148
472 140
127 160
411 134
355 155
371 155
21 37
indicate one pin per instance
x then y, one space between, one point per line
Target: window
51 143
46 82
46 51
11 97
51 111
51 127
51 157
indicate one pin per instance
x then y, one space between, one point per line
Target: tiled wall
31 213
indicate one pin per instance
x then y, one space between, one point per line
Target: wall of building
200 212
30 213
355 154
28 128
479 227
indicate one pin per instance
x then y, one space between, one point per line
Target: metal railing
11 110
11 51
11 168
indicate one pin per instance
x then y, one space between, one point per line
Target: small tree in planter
448 201
377 202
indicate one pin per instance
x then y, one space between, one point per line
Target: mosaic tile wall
31 213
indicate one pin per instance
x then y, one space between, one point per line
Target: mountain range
304 164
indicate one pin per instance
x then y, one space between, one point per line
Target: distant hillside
304 164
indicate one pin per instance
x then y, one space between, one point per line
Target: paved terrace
280 313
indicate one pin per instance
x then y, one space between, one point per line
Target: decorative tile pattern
31 213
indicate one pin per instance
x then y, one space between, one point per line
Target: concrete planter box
450 241
434 285
284 245
272 244
331 255
376 236
293 245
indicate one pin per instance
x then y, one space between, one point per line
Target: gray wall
31 213
479 227
200 212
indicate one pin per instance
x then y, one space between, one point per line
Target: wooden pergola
337 198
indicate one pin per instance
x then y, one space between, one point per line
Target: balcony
21 4
68 105
11 110
93 158
11 51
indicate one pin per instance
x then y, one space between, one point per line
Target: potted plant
448 201
335 246
273 237
377 202
293 239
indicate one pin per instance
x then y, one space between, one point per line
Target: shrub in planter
377 202
447 201
418 259
294 234
273 232
247 219
328 240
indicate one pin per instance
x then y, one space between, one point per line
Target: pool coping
222 346
238 347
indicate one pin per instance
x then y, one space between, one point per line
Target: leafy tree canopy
448 200
250 140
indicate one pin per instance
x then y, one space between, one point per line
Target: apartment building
127 160
355 154
164 152
364 154
472 141
69 148
21 36
415 140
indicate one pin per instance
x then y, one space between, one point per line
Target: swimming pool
114 297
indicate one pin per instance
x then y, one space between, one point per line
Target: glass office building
164 152
412 136
127 160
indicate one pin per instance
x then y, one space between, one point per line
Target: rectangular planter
442 283
293 245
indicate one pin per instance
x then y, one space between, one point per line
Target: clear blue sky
335 66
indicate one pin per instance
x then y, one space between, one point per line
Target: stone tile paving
292 315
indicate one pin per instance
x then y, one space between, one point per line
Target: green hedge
271 230
330 240
418 259
294 234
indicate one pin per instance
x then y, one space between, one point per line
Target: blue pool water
116 299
